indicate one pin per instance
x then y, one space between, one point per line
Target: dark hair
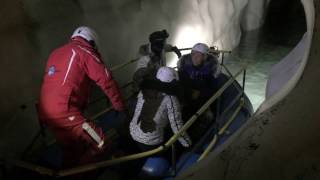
158 36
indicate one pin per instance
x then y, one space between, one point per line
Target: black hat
158 36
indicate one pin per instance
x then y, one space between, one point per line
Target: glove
177 51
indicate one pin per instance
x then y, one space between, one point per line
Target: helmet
166 74
86 33
201 47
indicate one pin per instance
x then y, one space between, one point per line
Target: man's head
88 34
157 40
166 74
199 54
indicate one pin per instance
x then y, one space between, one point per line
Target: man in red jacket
68 78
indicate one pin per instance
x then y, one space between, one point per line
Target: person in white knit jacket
154 110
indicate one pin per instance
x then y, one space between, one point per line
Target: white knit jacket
168 111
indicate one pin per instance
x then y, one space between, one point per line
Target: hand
177 51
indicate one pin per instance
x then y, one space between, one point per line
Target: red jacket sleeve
102 76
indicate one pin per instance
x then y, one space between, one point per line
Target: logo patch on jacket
51 70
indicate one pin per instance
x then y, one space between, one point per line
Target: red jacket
68 78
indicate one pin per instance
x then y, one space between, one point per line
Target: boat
232 109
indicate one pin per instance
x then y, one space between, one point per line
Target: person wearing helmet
154 110
198 71
69 73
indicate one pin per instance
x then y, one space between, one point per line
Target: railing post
243 81
217 113
222 58
173 160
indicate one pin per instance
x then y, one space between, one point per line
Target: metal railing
108 109
104 96
122 65
232 118
220 132
212 50
214 125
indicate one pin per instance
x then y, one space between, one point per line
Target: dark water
264 47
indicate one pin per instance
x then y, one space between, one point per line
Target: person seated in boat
154 110
197 72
